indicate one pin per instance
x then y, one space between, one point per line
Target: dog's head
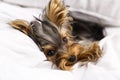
58 48
51 40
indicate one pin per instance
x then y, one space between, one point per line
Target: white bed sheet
20 58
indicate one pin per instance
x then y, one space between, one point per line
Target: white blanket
21 59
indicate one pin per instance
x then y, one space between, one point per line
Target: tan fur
64 63
91 54
21 25
57 12
83 54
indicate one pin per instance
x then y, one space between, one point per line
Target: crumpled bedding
21 59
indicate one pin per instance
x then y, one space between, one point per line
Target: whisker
38 19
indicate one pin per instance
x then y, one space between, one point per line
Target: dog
63 39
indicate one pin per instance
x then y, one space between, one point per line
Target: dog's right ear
22 26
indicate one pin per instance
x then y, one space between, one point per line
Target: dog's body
63 39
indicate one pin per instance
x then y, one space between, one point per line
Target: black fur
87 30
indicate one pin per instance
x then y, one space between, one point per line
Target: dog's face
59 47
57 44
50 39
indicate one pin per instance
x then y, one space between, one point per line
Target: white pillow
106 10
109 8
29 3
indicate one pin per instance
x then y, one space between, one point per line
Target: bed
21 59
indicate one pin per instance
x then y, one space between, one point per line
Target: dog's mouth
66 60
66 63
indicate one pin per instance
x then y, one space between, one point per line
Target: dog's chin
63 65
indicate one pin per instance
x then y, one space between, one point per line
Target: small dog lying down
64 39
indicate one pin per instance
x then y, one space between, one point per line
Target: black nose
72 58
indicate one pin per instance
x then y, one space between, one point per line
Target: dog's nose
72 58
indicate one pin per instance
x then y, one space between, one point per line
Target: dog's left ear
22 26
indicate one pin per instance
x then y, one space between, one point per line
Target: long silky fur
91 53
22 26
57 13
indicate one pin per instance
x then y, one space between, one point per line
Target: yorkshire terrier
64 39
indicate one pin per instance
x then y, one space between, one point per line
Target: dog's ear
46 33
57 12
91 54
22 26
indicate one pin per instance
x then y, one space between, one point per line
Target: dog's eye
65 39
72 58
51 53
